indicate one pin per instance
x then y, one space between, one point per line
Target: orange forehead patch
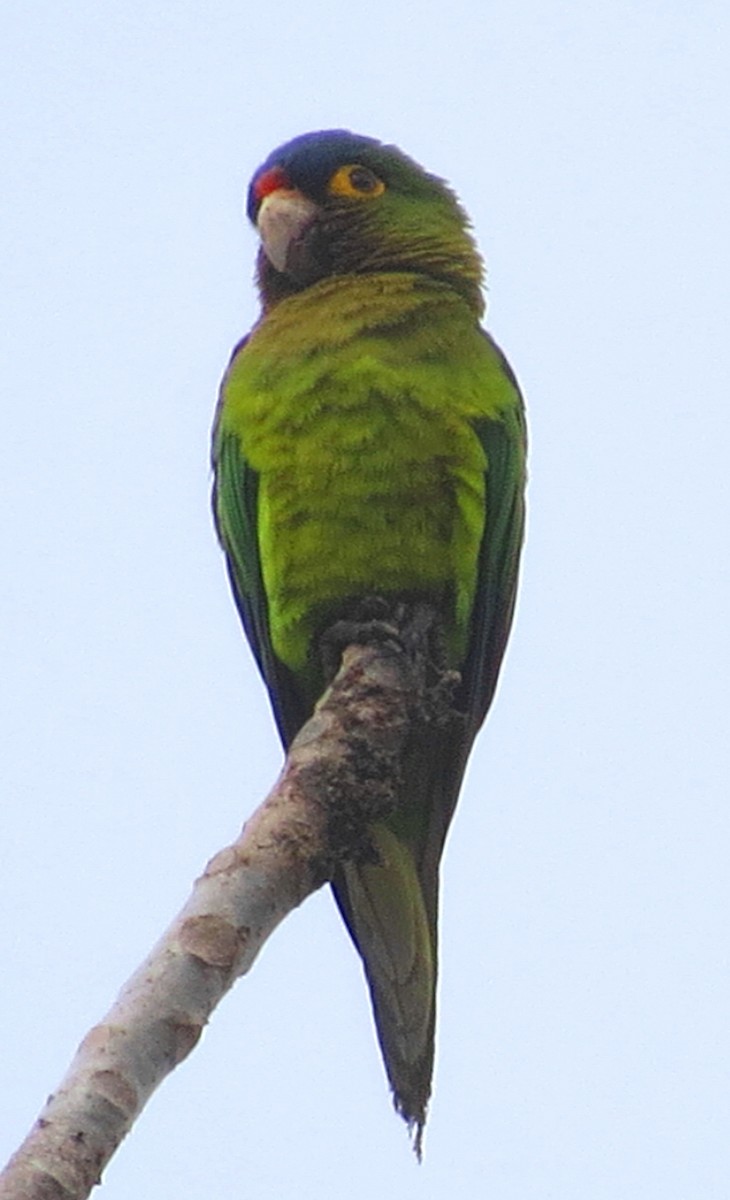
270 181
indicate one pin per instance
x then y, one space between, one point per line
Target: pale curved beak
282 219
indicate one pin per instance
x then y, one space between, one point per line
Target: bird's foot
411 627
375 620
342 634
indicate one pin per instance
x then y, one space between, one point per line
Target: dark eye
356 182
363 180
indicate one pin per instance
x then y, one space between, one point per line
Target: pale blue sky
584 1044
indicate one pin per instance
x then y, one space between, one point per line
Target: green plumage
370 441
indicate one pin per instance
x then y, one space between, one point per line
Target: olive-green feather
370 440
355 404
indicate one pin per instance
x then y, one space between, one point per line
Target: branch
340 775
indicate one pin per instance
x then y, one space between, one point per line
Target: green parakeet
370 442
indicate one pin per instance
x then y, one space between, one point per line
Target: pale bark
340 774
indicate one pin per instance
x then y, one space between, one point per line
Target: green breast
355 404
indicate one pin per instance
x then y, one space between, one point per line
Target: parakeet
370 441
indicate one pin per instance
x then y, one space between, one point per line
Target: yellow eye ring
356 182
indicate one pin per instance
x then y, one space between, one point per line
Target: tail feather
391 910
384 908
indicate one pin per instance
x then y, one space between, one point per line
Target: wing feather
235 511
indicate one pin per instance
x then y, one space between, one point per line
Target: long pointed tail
383 905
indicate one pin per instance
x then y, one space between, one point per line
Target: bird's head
335 203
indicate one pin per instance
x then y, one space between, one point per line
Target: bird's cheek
284 219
